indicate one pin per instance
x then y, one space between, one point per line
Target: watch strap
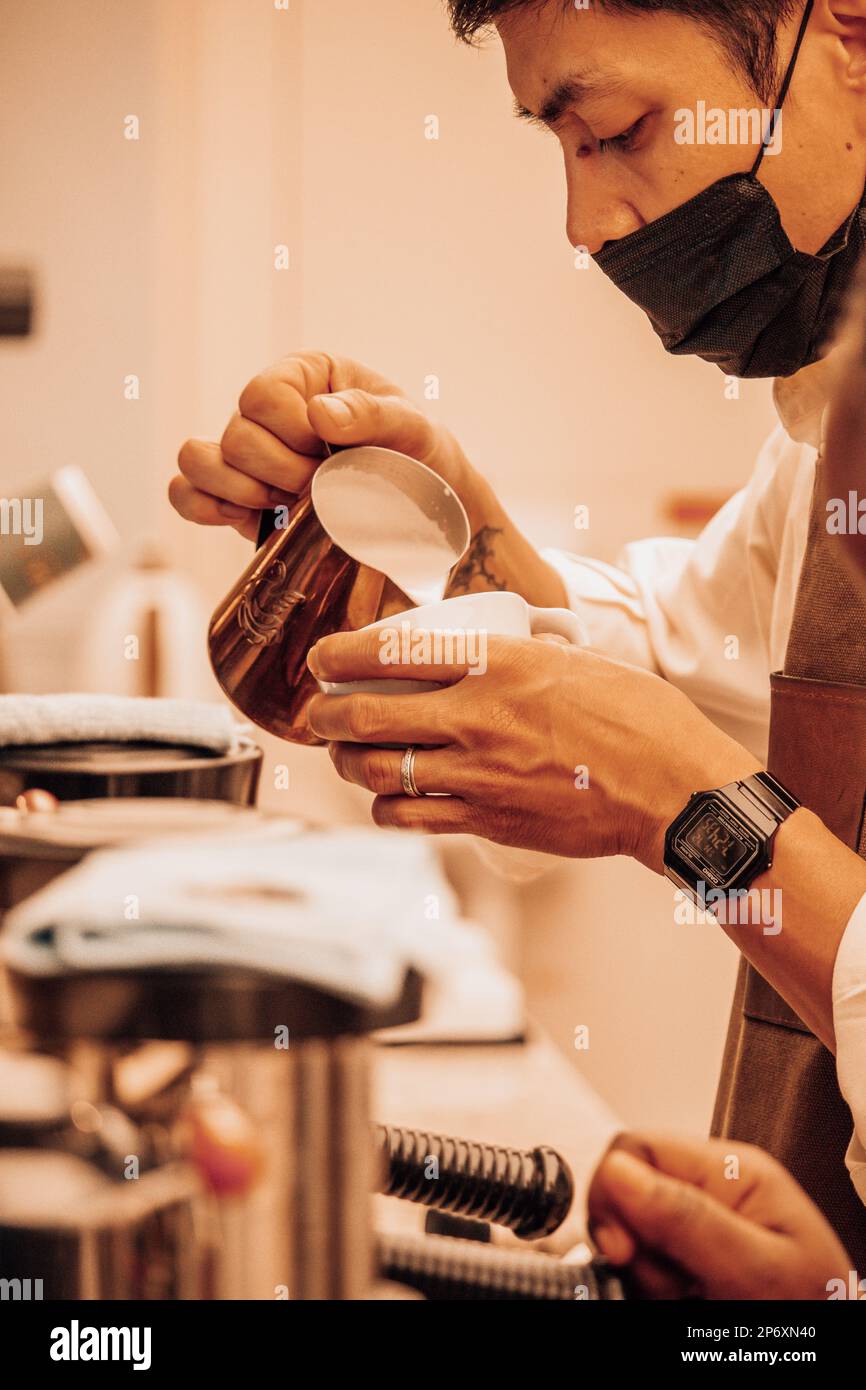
767 799
777 795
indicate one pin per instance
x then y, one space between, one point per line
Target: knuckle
761 1163
337 754
500 719
417 433
316 366
624 1140
188 502
255 399
680 1203
188 454
378 772
361 720
176 489
235 442
362 404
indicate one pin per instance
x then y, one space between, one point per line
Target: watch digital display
714 843
723 840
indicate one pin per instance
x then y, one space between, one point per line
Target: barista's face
630 74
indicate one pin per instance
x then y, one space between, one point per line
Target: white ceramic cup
475 616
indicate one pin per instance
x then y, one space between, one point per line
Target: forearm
817 882
813 887
500 556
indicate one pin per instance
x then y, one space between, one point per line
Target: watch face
713 844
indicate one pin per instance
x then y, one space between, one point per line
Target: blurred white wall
443 258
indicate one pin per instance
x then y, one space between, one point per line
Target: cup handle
559 621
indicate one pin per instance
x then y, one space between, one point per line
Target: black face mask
720 279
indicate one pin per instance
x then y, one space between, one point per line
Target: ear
846 20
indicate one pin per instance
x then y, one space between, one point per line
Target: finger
613 1240
430 815
254 451
675 1220
655 1276
205 510
378 769
356 416
277 399
364 718
732 1173
202 464
391 651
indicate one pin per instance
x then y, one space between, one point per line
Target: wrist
723 764
499 557
481 504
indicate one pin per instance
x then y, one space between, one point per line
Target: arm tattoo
475 571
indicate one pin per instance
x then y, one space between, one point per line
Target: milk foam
376 523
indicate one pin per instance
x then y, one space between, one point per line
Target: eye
625 143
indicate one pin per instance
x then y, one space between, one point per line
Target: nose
596 210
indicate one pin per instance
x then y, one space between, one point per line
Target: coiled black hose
462 1271
530 1191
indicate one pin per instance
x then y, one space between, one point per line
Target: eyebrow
571 91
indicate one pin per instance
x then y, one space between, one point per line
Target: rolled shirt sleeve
711 615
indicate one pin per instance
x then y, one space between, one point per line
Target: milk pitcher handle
268 518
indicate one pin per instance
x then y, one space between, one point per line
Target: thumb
681 1222
360 417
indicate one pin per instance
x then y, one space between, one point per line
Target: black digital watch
723 840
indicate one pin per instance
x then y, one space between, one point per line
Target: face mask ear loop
789 75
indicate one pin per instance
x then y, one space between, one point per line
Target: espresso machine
206 1135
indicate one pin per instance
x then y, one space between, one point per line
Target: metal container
77 771
284 1213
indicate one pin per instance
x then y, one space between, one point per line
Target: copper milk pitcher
300 586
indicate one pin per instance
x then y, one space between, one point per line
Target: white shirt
713 616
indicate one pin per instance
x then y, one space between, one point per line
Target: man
742 257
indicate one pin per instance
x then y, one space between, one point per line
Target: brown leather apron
778 1085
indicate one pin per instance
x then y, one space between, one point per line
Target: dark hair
745 28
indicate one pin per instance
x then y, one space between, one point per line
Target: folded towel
348 911
81 718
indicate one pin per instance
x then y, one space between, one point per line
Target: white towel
347 911
82 718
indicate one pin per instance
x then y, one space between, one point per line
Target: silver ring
407 773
